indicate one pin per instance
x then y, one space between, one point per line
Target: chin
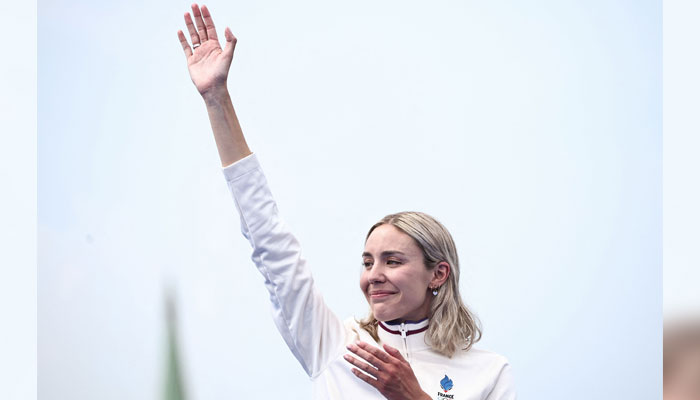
383 315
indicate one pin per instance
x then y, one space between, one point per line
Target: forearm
227 130
297 305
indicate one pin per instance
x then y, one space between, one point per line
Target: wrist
215 95
426 396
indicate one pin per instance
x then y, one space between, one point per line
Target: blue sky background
533 131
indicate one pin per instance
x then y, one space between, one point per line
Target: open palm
208 63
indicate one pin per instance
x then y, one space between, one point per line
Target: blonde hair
451 325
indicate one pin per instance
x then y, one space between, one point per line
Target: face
394 278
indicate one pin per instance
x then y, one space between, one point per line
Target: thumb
230 41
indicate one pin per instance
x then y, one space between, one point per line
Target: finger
201 29
394 352
367 356
374 351
230 41
365 377
361 365
185 45
209 23
193 32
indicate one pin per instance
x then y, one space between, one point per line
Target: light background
533 131
18 205
681 178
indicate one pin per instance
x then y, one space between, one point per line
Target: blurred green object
174 385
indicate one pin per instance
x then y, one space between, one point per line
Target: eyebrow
387 253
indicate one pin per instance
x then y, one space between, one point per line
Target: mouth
380 294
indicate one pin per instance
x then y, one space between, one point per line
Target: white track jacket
317 337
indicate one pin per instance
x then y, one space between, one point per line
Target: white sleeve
504 389
313 333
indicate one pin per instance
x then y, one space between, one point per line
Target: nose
376 274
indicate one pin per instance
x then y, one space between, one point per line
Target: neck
405 321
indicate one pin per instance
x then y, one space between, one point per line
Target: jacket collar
407 336
410 327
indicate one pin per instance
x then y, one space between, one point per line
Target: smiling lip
380 294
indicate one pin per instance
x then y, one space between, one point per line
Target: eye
366 263
394 262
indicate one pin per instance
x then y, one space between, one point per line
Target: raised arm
313 333
209 64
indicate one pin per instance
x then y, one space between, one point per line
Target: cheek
413 284
364 282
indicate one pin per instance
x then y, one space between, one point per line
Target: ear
440 274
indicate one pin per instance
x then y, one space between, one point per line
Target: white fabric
317 337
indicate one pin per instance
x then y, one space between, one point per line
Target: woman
417 341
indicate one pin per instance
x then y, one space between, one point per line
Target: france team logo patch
446 384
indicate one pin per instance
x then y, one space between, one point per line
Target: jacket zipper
403 330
